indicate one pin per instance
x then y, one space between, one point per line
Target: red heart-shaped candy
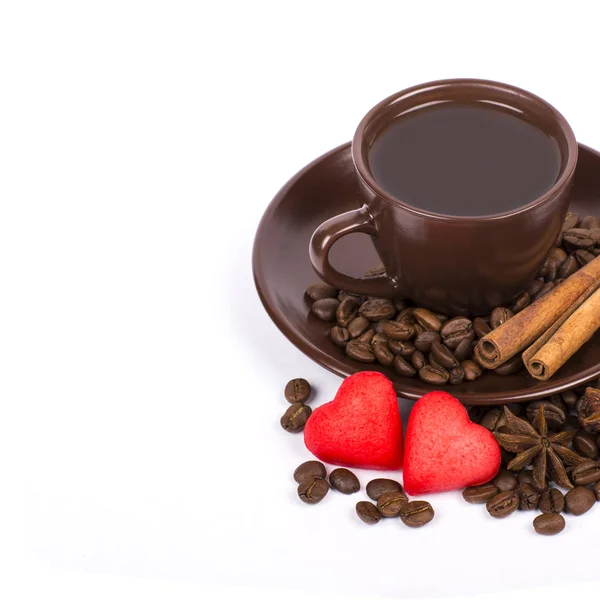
360 427
445 450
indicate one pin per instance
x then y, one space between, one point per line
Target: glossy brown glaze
451 264
282 272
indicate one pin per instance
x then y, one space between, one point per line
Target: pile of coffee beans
438 348
297 392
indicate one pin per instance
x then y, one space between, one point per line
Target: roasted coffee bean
416 513
390 503
505 481
339 336
367 512
579 500
418 360
552 501
457 375
310 468
529 498
346 311
551 271
583 257
455 330
464 350
318 291
403 367
325 309
557 255
549 524
378 309
481 328
520 302
499 316
295 417
547 287
534 287
424 340
511 366
434 363
594 235
366 337
589 222
360 352
472 369
568 267
404 349
344 481
585 444
569 398
586 473
526 477
443 356
434 375
578 238
427 319
493 419
383 354
297 390
596 488
406 316
555 413
343 295
379 338
396 330
418 328
571 221
503 504
313 489
377 487
480 494
358 326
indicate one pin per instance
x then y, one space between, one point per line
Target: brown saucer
282 272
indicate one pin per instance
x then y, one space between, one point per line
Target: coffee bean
297 390
568 267
551 271
368 512
344 481
529 498
366 337
377 487
555 413
520 302
418 328
569 398
346 312
499 316
503 504
505 481
358 326
339 336
534 287
310 468
390 503
396 330
424 340
511 366
586 473
406 316
549 524
403 367
325 308
589 222
404 349
295 417
493 419
480 494
434 375
318 291
427 319
443 356
378 309
313 489
464 350
547 287
360 352
571 220
343 295
481 328
526 477
379 338
418 360
583 257
434 363
557 255
383 354
579 500
596 488
457 375
455 330
472 369
585 444
416 513
552 501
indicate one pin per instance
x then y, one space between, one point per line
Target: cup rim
359 152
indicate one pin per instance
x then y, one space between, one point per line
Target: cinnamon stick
527 326
564 338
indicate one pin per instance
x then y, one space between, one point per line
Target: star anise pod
588 410
531 443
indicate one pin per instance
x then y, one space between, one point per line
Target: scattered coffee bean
424 340
493 419
390 503
360 352
313 490
585 444
534 287
456 330
325 308
586 473
406 315
396 330
511 366
403 367
418 360
434 375
472 369
339 336
457 375
443 356
583 257
378 309
526 477
366 337
318 291
480 494
529 498
552 501
499 316
571 220
503 504
346 312
344 481
549 524
428 320
464 350
297 390
295 417
383 354
481 328
589 222
416 513
569 267
547 287
404 349
377 487
310 468
505 481
358 326
579 500
368 512
520 302
555 414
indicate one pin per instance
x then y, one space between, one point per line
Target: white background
142 381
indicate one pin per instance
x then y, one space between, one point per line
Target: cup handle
358 220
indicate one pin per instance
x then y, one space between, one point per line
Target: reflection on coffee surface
464 159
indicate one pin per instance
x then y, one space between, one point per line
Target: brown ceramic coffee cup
451 264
